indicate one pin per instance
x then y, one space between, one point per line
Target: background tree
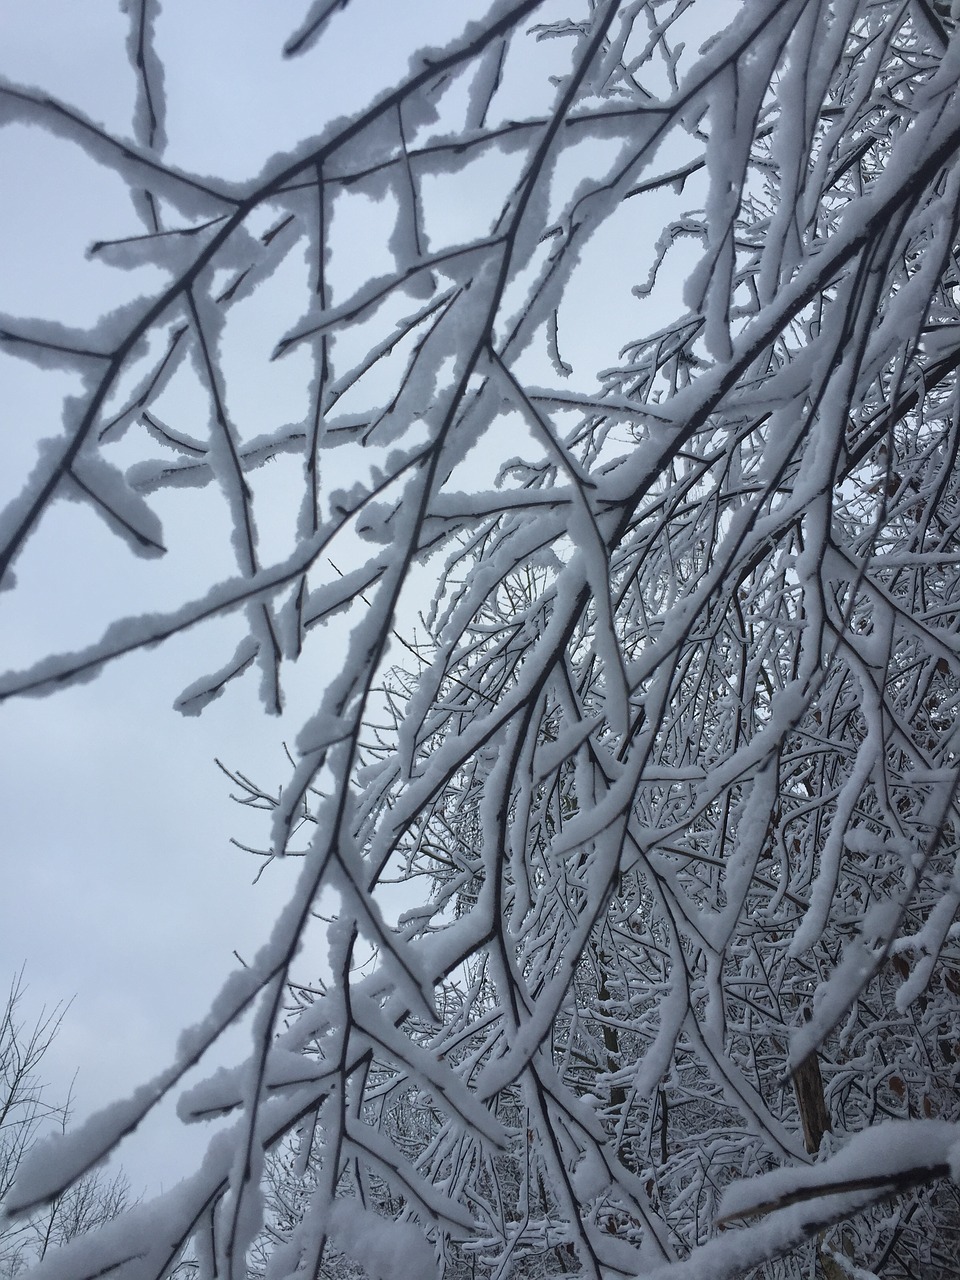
649 699
27 1114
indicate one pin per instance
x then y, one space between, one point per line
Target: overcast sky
122 890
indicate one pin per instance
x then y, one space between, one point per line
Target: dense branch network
652 680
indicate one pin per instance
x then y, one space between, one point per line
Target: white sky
122 891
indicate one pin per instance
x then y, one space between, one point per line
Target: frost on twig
604 561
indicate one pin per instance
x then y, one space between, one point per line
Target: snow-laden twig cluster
650 698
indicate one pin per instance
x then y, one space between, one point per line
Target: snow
629 684
193 196
889 1149
385 1249
884 1151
